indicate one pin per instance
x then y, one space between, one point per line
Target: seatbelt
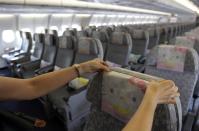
21 120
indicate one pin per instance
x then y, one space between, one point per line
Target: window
40 29
26 30
78 27
8 36
53 28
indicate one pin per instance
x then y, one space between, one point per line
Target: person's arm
26 89
156 93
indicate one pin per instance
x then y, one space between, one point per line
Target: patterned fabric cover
190 65
185 41
171 58
119 100
78 83
185 80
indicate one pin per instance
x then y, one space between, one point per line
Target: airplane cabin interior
150 40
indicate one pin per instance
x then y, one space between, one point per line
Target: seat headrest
50 39
102 36
88 46
68 33
39 38
173 58
26 35
120 38
151 32
82 33
66 42
138 34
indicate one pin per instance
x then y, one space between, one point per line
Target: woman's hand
93 66
164 92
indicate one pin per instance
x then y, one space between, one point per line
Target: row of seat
53 53
171 61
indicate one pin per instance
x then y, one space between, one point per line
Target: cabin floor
32 108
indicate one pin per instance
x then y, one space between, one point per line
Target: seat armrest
196 90
13 51
33 65
189 121
45 70
23 54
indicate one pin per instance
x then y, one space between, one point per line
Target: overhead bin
82 4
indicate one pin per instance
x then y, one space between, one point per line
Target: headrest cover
138 34
185 41
66 42
49 39
120 38
102 36
87 46
173 58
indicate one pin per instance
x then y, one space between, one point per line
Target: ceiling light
33 15
98 15
61 15
83 15
5 15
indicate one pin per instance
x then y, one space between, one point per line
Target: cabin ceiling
159 5
169 6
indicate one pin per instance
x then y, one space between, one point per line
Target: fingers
102 65
104 68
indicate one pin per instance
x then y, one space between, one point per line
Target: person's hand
93 66
164 92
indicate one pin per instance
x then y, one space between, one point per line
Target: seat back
90 31
119 48
140 40
82 33
103 37
163 35
177 63
50 50
66 52
69 33
39 46
26 42
106 29
113 106
88 49
153 38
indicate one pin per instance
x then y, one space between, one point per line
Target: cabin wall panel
7 23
